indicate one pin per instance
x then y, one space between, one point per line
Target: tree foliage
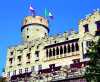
92 72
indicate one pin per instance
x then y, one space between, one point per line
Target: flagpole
45 13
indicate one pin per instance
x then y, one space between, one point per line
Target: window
68 48
20 71
28 62
47 53
29 49
45 34
10 60
25 21
76 60
8 74
19 58
41 20
77 47
67 38
32 68
86 28
12 53
86 54
65 49
28 56
52 66
61 50
73 47
98 25
55 41
37 53
19 64
26 70
27 29
39 67
14 72
27 36
88 43
57 51
50 53
37 46
53 51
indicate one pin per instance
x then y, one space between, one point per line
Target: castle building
43 58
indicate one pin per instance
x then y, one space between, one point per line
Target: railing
60 56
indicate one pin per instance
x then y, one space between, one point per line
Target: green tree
92 72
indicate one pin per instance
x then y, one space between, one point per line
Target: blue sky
66 13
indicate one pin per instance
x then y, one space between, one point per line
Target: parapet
30 20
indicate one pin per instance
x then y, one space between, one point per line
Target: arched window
61 50
47 53
73 47
68 48
65 49
77 46
50 53
53 51
57 51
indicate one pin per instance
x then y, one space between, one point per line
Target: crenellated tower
34 28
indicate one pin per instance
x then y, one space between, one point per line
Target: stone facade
42 58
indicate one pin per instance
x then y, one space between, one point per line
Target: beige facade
40 51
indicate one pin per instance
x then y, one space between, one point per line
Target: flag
48 14
32 10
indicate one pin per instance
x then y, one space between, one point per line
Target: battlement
35 20
95 16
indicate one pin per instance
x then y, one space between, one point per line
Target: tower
89 30
34 28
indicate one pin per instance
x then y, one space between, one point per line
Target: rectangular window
37 53
32 68
39 67
26 70
47 53
98 25
28 56
86 28
85 55
19 58
12 53
14 72
20 71
10 60
29 49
